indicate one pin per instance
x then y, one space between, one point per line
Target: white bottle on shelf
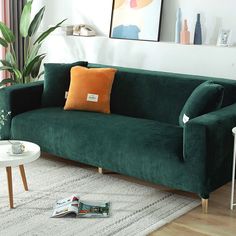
178 26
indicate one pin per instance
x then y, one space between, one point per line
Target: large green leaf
28 68
7 33
11 69
5 67
33 53
25 19
47 32
10 58
18 74
3 42
6 81
5 63
41 74
35 70
36 22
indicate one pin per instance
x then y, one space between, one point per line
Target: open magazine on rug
73 206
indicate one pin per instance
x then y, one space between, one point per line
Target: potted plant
3 119
32 45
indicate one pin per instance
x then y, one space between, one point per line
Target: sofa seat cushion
112 141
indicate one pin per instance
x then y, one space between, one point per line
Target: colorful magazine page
72 206
90 209
66 206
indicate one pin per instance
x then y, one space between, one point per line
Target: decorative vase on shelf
185 34
198 32
178 26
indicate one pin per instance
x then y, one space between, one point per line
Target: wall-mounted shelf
149 42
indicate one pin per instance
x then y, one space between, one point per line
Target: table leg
233 176
100 170
22 172
10 192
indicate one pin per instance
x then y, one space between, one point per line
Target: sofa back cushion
157 95
207 97
57 82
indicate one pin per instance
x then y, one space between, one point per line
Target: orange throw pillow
90 89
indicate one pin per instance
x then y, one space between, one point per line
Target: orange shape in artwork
137 4
118 3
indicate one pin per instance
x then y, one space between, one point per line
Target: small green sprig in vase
3 119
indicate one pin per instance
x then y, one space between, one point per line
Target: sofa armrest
18 99
215 129
208 141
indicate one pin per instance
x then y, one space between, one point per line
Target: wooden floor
220 220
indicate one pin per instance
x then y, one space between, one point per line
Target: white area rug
136 209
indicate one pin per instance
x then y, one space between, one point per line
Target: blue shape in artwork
126 32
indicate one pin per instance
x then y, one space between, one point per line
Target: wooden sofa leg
204 205
100 171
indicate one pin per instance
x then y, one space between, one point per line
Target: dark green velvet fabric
57 82
141 138
158 95
146 149
17 99
143 148
211 135
96 135
207 97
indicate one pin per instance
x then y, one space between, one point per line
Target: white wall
164 56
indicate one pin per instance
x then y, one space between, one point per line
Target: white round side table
232 204
9 160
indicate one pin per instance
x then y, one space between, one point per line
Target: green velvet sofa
141 137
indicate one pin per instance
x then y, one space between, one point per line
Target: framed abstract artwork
136 19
